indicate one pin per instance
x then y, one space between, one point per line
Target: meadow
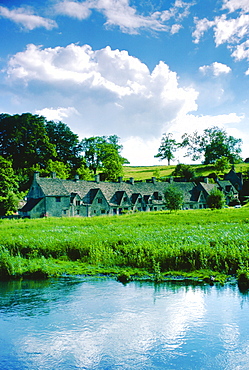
155 245
146 172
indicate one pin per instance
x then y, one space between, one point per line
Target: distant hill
144 172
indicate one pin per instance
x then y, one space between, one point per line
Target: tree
167 148
24 140
174 198
216 199
61 169
212 144
112 163
103 153
221 164
67 145
9 196
184 170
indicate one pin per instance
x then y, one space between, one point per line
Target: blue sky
136 69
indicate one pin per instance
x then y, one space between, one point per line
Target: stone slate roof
53 187
31 203
111 190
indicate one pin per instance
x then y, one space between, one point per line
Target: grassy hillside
144 172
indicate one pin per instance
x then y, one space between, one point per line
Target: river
81 323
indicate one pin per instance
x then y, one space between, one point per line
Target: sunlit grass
157 242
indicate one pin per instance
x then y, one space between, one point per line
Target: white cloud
215 68
233 5
74 9
99 92
231 30
120 13
57 114
26 18
202 25
242 51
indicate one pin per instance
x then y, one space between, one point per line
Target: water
80 323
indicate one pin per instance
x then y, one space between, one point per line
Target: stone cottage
54 197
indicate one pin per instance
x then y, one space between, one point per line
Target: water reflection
85 324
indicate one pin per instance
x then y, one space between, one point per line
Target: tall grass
187 240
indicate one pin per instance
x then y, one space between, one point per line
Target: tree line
209 146
30 143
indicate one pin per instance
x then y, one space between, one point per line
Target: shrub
173 198
216 199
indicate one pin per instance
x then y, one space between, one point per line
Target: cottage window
58 199
100 200
102 211
77 211
77 202
139 200
125 199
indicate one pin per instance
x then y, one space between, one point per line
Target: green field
143 172
153 245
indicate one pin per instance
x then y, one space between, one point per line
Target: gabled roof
31 203
115 191
52 187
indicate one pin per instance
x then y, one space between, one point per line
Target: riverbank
201 245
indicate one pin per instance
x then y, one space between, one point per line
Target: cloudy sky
136 69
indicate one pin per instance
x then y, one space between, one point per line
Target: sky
136 69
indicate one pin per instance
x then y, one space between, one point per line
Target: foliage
184 170
213 143
173 198
222 164
23 138
9 196
61 169
67 145
167 148
103 154
216 199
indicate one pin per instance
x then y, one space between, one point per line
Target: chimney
153 180
120 179
132 180
206 180
171 180
76 178
36 175
96 178
53 175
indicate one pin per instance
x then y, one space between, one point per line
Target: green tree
24 140
184 170
216 199
167 148
101 153
112 163
174 198
67 144
61 169
212 144
9 195
221 164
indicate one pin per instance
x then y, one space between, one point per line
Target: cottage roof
53 187
89 189
31 203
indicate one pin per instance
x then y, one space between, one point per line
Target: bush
173 198
216 199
